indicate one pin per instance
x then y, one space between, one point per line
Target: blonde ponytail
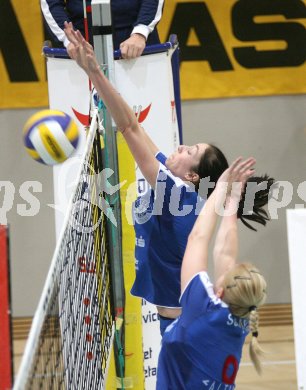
254 349
244 292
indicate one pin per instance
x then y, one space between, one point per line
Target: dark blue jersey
163 219
202 348
128 16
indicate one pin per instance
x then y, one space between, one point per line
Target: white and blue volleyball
50 136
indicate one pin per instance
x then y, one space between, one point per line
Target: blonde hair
245 292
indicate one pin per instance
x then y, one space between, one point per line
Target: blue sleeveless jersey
163 219
202 348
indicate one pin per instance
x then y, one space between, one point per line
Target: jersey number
230 365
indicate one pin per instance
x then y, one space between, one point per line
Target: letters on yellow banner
238 48
227 48
22 66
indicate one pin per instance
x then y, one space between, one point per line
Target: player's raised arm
122 114
196 254
225 250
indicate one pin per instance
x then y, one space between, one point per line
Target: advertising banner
227 49
23 79
238 48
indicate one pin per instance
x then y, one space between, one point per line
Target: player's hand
81 51
133 46
71 50
231 183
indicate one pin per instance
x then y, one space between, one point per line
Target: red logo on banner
84 119
141 114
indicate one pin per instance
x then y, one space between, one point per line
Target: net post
103 47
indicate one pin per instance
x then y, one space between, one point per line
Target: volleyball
50 136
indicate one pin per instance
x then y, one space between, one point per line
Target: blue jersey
202 348
163 219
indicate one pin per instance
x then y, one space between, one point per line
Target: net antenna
73 328
103 46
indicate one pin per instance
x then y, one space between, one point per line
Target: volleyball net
73 328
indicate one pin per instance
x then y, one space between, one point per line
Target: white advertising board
296 230
68 88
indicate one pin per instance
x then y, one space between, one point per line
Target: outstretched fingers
242 165
82 52
240 168
238 172
86 45
74 37
247 164
70 33
246 169
234 165
231 183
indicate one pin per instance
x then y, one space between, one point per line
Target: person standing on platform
134 23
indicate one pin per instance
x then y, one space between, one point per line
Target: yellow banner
228 48
238 48
134 365
22 66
